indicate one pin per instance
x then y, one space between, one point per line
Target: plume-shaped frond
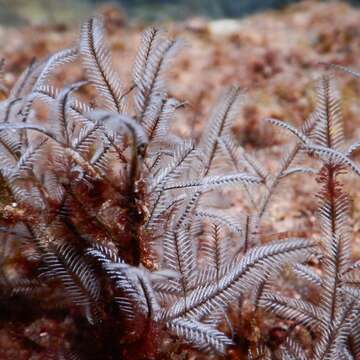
333 215
59 117
329 128
216 250
150 91
306 273
223 116
285 163
56 60
87 137
345 69
210 182
184 157
298 133
327 154
97 61
299 170
242 275
158 126
65 264
179 256
149 41
335 157
200 335
298 310
136 291
335 336
230 222
104 254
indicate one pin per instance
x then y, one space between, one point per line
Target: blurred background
16 12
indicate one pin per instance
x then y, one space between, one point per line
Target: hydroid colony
105 218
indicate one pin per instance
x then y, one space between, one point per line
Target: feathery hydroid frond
247 272
96 58
201 336
302 312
